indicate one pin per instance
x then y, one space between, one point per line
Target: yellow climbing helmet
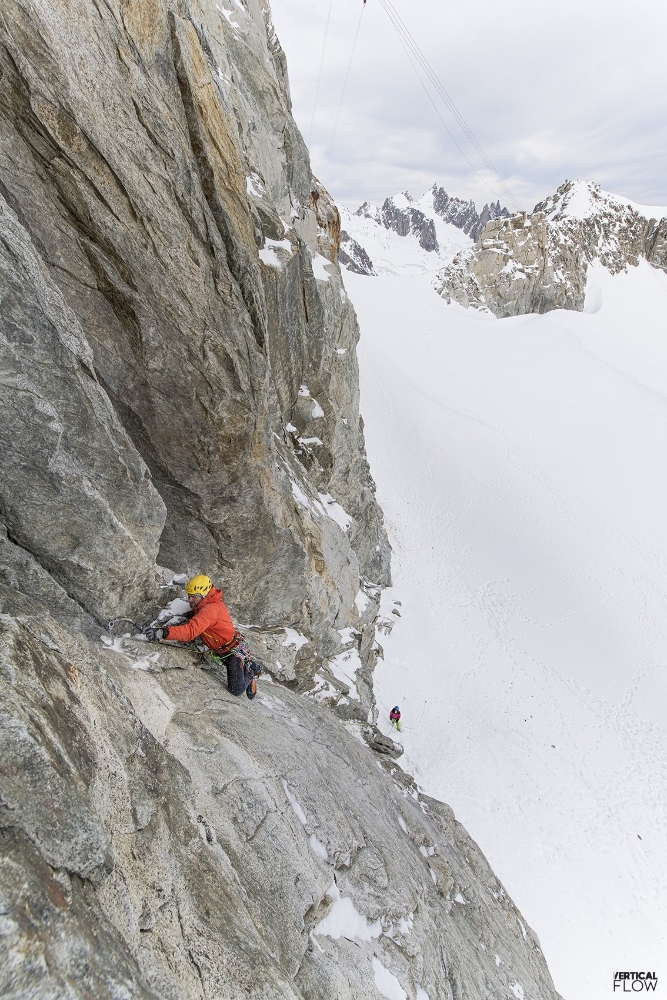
198 585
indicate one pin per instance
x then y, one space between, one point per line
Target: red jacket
210 621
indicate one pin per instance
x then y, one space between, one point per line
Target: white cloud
551 91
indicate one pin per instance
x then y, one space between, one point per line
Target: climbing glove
155 634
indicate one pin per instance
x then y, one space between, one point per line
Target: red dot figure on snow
395 717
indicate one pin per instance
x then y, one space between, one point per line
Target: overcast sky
551 90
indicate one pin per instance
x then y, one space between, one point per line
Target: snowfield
522 468
402 255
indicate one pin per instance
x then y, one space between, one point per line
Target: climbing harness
236 647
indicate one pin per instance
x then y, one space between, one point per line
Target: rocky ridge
463 214
353 257
405 216
539 261
400 215
180 394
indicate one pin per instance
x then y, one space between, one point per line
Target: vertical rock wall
151 169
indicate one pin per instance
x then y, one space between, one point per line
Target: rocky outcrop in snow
353 256
539 262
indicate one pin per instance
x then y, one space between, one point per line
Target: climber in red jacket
210 621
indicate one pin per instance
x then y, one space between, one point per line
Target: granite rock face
181 394
189 844
164 238
64 447
463 214
404 219
539 262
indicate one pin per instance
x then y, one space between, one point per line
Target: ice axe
111 624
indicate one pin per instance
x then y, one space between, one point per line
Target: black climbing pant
238 676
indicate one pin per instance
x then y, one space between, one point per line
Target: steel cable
319 75
347 76
414 53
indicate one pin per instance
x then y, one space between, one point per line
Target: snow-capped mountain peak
584 199
539 262
430 230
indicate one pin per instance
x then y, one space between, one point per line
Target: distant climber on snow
395 717
210 622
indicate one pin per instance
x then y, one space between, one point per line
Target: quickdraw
236 647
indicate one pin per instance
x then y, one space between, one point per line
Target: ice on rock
387 984
174 609
362 601
334 510
321 267
115 645
318 847
344 668
268 252
299 495
344 920
294 802
294 638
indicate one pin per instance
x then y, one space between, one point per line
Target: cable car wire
412 48
347 76
319 75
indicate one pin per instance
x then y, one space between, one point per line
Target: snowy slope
521 467
402 255
584 199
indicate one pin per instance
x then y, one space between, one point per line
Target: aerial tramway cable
444 123
347 76
414 53
319 75
417 60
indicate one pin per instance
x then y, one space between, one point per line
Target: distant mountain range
506 264
406 216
